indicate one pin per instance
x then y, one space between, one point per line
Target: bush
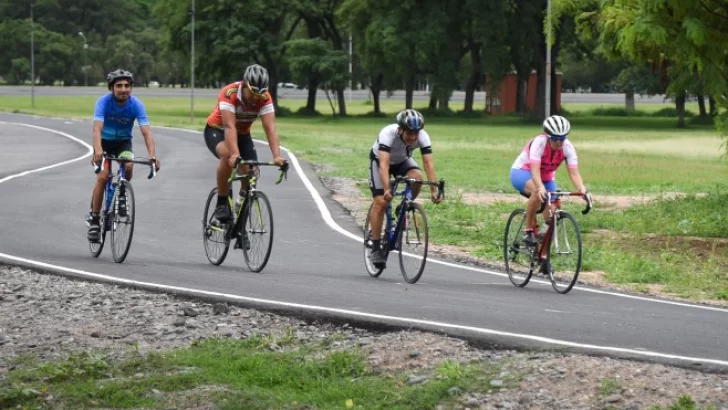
671 112
617 112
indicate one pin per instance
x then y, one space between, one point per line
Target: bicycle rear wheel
516 254
373 271
257 228
565 252
215 238
413 242
122 223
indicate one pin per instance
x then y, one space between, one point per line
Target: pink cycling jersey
538 153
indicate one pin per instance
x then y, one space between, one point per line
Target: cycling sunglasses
258 91
556 138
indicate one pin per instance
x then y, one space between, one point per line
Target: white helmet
556 125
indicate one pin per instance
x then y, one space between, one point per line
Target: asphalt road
316 268
302 94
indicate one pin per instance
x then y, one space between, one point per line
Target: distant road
300 94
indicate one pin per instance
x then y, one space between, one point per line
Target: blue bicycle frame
393 232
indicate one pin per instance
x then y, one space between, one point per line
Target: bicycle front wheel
214 237
257 228
122 221
565 252
517 254
412 243
373 271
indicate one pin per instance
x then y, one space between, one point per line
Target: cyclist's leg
380 204
125 150
410 168
376 217
248 152
550 187
94 230
215 141
521 180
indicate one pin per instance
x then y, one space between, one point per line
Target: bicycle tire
560 239
512 245
371 269
418 224
258 223
222 238
119 253
96 247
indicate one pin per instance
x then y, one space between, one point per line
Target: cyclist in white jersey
535 168
391 155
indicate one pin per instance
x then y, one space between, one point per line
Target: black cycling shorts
214 136
113 148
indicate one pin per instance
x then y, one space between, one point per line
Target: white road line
329 220
71 137
326 216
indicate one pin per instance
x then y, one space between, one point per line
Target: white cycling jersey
390 141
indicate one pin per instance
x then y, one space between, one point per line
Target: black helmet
117 75
410 120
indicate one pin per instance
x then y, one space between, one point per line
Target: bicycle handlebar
252 163
142 161
587 197
440 184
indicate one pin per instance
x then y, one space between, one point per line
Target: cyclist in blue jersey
112 133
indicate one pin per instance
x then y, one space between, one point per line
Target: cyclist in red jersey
227 133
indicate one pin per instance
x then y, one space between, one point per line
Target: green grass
237 374
649 244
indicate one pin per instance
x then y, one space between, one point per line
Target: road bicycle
117 209
405 232
557 251
252 224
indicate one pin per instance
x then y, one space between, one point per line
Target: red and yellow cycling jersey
245 115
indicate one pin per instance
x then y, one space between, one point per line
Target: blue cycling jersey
119 121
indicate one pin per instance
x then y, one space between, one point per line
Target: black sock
376 244
221 200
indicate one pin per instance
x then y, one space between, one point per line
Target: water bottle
542 231
237 205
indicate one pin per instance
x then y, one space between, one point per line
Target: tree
675 36
314 60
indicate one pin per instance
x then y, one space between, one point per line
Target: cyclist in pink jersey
535 168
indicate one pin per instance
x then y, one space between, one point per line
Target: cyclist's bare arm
269 126
576 179
429 163
536 177
231 134
149 142
384 171
96 137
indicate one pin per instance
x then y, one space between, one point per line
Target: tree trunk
629 100
713 110
376 88
680 106
342 102
409 91
701 107
476 75
311 100
521 92
433 101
